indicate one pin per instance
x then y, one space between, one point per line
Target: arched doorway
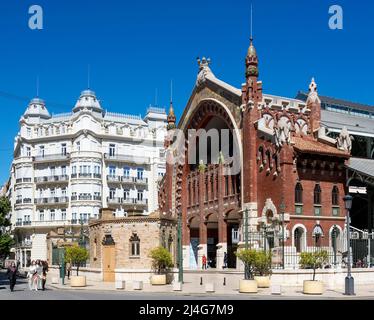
212 230
298 239
212 181
233 223
194 225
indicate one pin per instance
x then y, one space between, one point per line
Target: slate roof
363 166
338 102
355 125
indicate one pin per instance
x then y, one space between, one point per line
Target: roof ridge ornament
204 70
313 93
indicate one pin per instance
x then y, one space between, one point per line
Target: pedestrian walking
31 274
204 262
39 271
68 269
225 260
44 274
12 275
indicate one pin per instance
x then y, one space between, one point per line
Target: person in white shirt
39 270
31 275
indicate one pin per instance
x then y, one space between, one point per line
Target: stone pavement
362 291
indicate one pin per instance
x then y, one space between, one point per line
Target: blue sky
134 47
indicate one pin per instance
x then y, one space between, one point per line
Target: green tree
313 260
161 260
6 241
76 256
248 257
263 263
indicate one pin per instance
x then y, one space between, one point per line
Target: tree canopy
6 241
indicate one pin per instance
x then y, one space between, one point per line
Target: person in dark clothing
44 275
12 276
225 260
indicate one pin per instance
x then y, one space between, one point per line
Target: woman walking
44 274
39 270
31 274
12 275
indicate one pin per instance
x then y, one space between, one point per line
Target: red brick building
275 155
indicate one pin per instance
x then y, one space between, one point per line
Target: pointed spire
251 59
171 116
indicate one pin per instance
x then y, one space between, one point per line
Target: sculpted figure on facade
282 133
344 141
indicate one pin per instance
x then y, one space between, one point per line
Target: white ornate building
67 167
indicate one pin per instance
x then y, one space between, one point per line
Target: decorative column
222 225
203 230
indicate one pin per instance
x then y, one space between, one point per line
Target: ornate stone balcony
52 179
51 158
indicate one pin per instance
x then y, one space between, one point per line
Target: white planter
177 286
313 287
248 286
78 281
209 287
263 282
158 279
137 285
120 285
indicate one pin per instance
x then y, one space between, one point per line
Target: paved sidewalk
363 292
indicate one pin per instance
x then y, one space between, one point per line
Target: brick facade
280 144
152 231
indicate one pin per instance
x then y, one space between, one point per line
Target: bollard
224 281
201 281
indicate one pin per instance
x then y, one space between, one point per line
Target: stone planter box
209 287
177 286
120 285
263 282
137 285
314 287
248 286
158 280
78 281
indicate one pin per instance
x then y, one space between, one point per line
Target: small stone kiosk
120 247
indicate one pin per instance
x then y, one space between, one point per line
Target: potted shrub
313 260
248 257
262 269
161 263
76 256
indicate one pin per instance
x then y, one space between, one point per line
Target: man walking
12 275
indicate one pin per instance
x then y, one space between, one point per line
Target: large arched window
299 193
335 196
317 194
298 239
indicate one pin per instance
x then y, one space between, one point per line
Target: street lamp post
349 281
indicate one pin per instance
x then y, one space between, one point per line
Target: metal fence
286 254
